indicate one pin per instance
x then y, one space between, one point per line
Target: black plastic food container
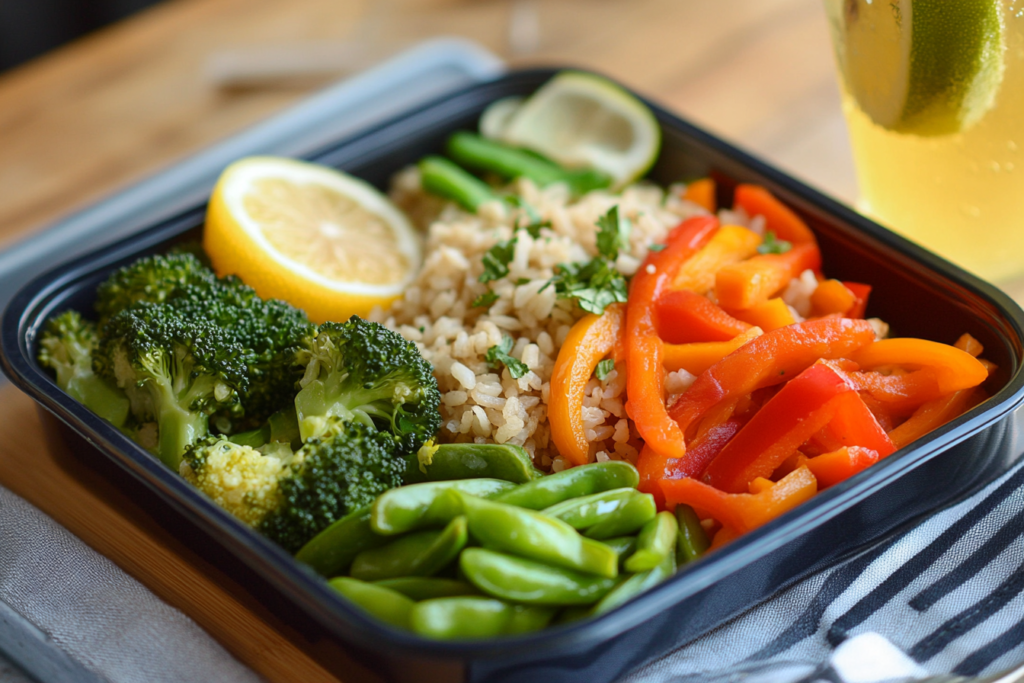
918 293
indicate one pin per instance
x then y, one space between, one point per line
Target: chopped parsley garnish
657 247
486 299
523 281
597 283
496 260
499 354
534 222
604 368
613 233
772 245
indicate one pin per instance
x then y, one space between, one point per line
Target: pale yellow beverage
933 92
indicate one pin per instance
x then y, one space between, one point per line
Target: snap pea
531 534
425 588
331 551
451 461
477 152
586 511
624 546
636 584
460 618
417 506
383 603
637 511
571 483
445 179
692 542
655 542
421 553
526 581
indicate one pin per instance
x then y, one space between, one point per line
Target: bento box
918 293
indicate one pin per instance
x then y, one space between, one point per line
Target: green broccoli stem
100 397
179 429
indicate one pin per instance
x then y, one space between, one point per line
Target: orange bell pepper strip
955 369
592 338
702 193
933 415
803 406
779 218
902 393
861 292
684 317
644 372
969 344
742 512
731 244
770 359
723 536
768 315
841 464
742 285
832 296
697 357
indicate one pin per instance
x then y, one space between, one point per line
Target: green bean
655 542
385 604
692 542
451 461
526 581
571 483
464 618
531 534
636 584
417 506
586 511
332 550
637 511
624 546
445 179
427 587
421 553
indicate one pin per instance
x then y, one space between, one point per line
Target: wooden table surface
96 115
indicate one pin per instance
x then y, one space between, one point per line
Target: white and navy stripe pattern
949 593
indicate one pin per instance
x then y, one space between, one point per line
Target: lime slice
926 67
495 118
582 120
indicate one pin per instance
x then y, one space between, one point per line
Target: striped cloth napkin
945 597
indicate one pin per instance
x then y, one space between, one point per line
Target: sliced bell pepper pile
731 244
742 285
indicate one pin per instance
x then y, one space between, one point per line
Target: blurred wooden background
94 116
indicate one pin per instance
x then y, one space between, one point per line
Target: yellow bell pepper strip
955 369
839 465
742 512
702 193
831 296
801 408
934 414
731 244
768 315
697 357
861 292
742 285
645 374
592 338
685 317
770 359
779 218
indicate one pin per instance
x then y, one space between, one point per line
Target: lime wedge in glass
926 67
584 121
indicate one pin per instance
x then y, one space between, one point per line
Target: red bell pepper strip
779 218
955 369
802 407
861 292
854 425
645 374
590 339
706 448
765 361
742 285
841 464
742 512
684 317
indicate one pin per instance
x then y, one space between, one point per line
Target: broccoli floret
65 347
176 371
152 279
362 371
292 497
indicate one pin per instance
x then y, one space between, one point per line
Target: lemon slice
320 239
582 120
926 67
